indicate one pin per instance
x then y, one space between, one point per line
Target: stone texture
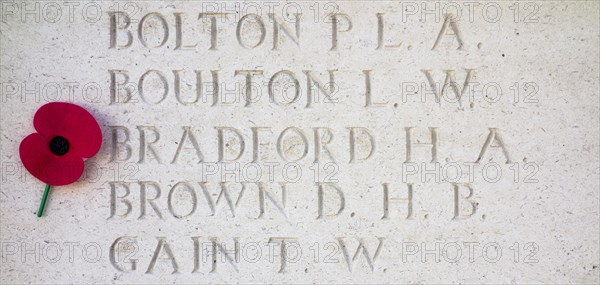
532 92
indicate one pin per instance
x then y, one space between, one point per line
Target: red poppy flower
66 134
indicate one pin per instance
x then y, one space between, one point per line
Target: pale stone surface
532 91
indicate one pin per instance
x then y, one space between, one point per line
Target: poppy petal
46 166
72 122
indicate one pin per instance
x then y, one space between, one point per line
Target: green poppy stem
44 198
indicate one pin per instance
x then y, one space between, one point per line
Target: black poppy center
59 145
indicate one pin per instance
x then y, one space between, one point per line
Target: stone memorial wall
307 141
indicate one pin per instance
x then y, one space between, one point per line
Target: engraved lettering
335 28
321 186
163 245
148 145
494 137
361 249
188 135
409 144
